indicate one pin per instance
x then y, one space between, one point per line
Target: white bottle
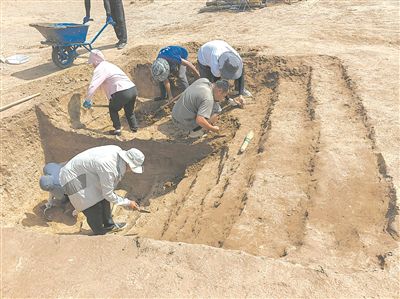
246 141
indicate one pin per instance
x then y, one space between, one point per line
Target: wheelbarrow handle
109 21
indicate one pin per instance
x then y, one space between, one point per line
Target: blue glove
110 20
86 19
87 104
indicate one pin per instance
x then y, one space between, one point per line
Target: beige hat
134 158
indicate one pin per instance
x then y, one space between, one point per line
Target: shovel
100 106
161 108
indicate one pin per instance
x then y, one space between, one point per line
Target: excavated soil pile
310 188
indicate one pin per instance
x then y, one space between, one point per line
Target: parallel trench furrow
215 201
266 124
174 211
348 197
180 226
393 208
277 202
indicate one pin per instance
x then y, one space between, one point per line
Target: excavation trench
282 197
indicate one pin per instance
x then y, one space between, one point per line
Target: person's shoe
247 93
134 129
115 132
115 227
196 134
109 226
120 46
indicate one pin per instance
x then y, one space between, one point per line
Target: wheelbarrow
65 39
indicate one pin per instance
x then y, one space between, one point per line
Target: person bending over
216 60
120 90
197 108
89 179
171 63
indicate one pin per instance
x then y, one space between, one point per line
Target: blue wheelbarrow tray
65 39
62 33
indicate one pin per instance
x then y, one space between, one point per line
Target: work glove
86 19
110 20
87 104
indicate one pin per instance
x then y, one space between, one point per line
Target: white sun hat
134 158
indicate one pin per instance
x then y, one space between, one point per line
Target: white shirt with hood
92 176
107 76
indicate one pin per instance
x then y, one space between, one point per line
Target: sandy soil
309 210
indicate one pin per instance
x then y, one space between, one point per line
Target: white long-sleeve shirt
110 78
92 176
210 52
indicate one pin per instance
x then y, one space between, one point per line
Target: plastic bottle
246 141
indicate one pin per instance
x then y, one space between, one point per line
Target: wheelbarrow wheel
63 57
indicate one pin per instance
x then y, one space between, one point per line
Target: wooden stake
19 102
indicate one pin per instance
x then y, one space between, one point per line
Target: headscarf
95 57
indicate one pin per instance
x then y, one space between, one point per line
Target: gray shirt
196 100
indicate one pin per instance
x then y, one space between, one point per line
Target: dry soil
308 210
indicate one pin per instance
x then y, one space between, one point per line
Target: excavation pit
283 197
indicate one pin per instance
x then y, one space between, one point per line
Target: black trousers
123 99
118 15
205 72
99 217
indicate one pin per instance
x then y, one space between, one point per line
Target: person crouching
89 180
172 62
198 108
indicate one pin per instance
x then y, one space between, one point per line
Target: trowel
143 210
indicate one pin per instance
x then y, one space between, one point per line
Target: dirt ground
308 210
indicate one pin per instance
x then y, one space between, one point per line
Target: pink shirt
110 78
